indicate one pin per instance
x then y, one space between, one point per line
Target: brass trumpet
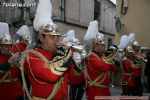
111 54
140 56
76 47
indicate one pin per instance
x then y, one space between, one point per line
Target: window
97 10
110 42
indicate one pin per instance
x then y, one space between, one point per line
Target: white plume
43 14
4 29
71 36
23 31
130 39
92 31
123 42
1 35
1 31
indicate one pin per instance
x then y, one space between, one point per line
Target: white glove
13 59
77 57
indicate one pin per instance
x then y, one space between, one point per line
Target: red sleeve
127 66
98 64
40 70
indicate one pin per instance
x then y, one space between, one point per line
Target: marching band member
6 66
138 58
46 66
76 75
98 67
130 67
24 35
136 48
10 86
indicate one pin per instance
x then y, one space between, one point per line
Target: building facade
134 17
76 15
68 14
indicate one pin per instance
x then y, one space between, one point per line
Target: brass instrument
110 55
140 56
76 47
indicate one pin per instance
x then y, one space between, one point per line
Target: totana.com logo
19 4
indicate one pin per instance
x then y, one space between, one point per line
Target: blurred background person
98 64
10 86
132 72
147 71
76 75
137 60
24 39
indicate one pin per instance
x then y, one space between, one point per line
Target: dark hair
38 41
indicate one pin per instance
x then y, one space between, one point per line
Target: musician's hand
77 57
13 59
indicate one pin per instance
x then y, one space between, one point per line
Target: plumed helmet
129 49
7 39
24 32
123 42
4 28
111 51
99 39
51 29
135 43
70 37
93 34
130 39
42 21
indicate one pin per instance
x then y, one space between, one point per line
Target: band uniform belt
98 85
37 98
8 81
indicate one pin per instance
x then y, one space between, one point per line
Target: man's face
129 54
50 42
24 41
101 48
6 49
136 48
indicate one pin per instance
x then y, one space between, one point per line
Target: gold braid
54 62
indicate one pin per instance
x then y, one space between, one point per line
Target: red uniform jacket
12 89
137 68
75 76
95 66
131 71
18 47
42 78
